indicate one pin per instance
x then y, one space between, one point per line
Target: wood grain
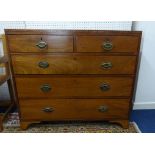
73 64
73 109
27 43
74 74
71 32
73 87
94 43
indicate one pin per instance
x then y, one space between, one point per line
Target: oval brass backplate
48 109
103 108
41 44
46 88
107 46
106 65
104 87
43 64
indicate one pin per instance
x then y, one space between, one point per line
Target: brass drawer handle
106 65
107 46
46 88
104 87
103 108
41 44
48 109
43 64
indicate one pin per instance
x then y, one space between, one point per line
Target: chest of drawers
62 75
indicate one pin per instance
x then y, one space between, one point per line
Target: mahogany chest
62 75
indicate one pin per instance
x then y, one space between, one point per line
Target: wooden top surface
71 32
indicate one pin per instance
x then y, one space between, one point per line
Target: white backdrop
145 94
67 25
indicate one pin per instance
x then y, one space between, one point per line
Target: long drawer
107 44
40 43
74 109
78 86
73 64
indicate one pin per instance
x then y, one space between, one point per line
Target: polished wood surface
72 72
27 43
94 43
74 109
72 32
73 64
73 87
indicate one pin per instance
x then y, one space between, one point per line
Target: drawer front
79 86
74 109
73 64
107 44
40 43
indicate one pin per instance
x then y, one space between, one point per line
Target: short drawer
78 86
107 44
40 43
74 109
73 64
